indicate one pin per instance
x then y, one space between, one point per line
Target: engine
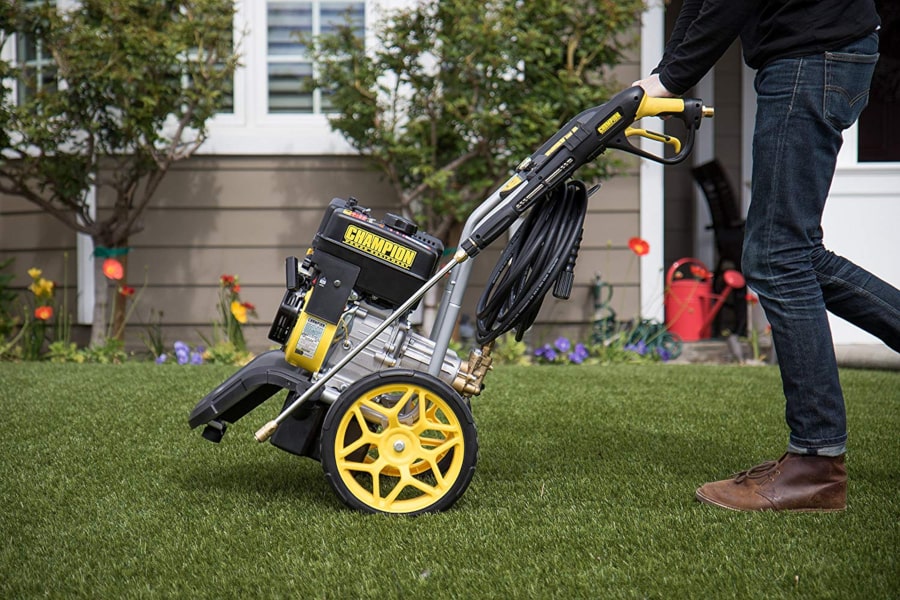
356 273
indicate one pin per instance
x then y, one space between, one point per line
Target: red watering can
690 302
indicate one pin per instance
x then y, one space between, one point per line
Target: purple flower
182 352
544 351
579 354
562 344
664 355
196 358
162 358
640 347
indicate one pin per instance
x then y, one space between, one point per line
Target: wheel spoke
372 468
446 427
375 407
434 453
399 486
424 487
352 447
393 414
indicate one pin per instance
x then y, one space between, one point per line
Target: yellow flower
239 312
34 273
42 288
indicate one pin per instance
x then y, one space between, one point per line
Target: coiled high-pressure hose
541 252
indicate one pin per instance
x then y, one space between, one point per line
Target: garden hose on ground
542 251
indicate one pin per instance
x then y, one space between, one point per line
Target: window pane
285 22
290 67
286 87
27 50
34 80
335 14
226 105
38 70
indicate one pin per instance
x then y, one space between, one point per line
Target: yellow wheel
399 441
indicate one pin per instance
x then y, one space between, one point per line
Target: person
814 61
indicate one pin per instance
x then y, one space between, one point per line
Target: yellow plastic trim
512 184
309 341
404 441
658 137
558 144
650 106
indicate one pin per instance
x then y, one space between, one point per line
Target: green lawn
584 489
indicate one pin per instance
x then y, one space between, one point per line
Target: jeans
803 105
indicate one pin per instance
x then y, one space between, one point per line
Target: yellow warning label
604 127
379 247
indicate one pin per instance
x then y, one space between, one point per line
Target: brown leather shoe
794 482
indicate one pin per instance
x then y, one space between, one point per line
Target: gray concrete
867 356
719 351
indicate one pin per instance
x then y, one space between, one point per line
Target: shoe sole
707 500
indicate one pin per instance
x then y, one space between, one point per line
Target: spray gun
581 140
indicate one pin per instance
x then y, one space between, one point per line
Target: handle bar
690 111
580 141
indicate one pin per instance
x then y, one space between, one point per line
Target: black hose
534 258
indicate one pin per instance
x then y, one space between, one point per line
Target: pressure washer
385 409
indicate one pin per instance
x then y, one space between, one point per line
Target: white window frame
848 158
250 130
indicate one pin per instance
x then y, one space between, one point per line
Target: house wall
244 215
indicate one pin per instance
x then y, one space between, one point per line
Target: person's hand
654 87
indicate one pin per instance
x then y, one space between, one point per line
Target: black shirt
769 29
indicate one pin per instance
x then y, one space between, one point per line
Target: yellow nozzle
266 431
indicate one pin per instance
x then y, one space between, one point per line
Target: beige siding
34 239
244 215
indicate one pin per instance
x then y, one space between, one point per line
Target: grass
584 489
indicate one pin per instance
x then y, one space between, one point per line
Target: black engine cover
393 264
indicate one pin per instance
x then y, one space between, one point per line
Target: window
38 69
879 124
288 64
226 106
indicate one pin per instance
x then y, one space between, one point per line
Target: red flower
248 306
113 269
639 246
126 291
236 288
226 280
699 272
43 313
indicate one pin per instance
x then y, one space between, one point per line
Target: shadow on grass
260 480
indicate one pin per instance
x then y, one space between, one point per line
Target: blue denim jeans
803 106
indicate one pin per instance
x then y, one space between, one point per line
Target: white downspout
84 252
704 151
653 32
